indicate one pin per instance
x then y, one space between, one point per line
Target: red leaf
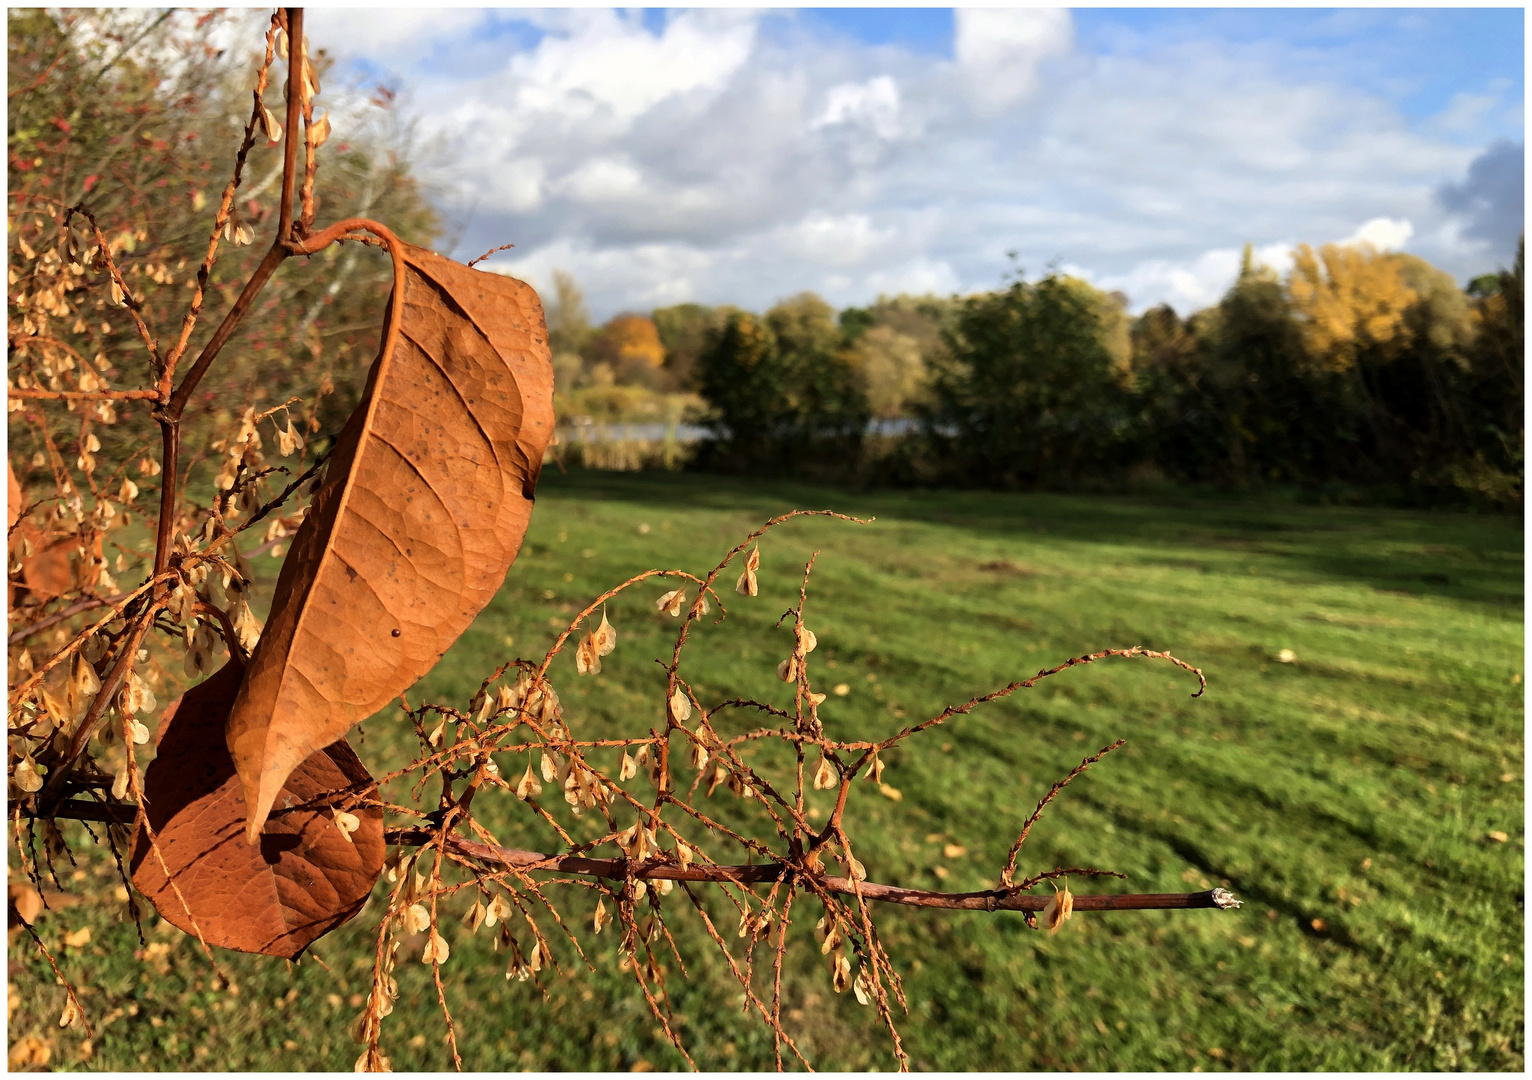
303 879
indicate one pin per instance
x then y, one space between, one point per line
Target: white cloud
1000 50
833 240
388 34
874 103
1384 234
604 179
720 158
612 63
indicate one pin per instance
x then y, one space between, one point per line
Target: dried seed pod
747 584
824 776
269 126
671 602
1060 909
319 130
347 823
528 787
436 950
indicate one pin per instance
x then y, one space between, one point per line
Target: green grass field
1350 797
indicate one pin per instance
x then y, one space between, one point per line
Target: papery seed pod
862 987
279 41
319 130
824 776
698 756
671 602
25 775
720 774
601 916
347 823
550 766
605 636
499 910
289 442
537 957
269 126
435 737
875 769
1060 909
528 788
628 769
474 917
72 1014
436 951
416 919
747 584
587 656
684 854
120 783
119 297
858 871
680 706
83 686
627 839
246 626
787 670
840 972
807 639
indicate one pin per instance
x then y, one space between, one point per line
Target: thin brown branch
491 251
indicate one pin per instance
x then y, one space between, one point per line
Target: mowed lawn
1354 774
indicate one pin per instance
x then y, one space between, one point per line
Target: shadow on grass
1446 554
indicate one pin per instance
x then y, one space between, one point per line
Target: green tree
784 390
1028 392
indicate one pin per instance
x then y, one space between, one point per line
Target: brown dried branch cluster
396 546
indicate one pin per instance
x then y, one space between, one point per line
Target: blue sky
739 156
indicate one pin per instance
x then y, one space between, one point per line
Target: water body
656 431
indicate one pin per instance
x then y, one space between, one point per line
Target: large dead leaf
303 880
421 512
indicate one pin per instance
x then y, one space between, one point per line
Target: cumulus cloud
390 34
1383 234
1001 50
734 157
1491 200
874 103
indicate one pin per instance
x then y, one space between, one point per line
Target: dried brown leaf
421 512
302 881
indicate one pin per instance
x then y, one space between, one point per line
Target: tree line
1361 373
